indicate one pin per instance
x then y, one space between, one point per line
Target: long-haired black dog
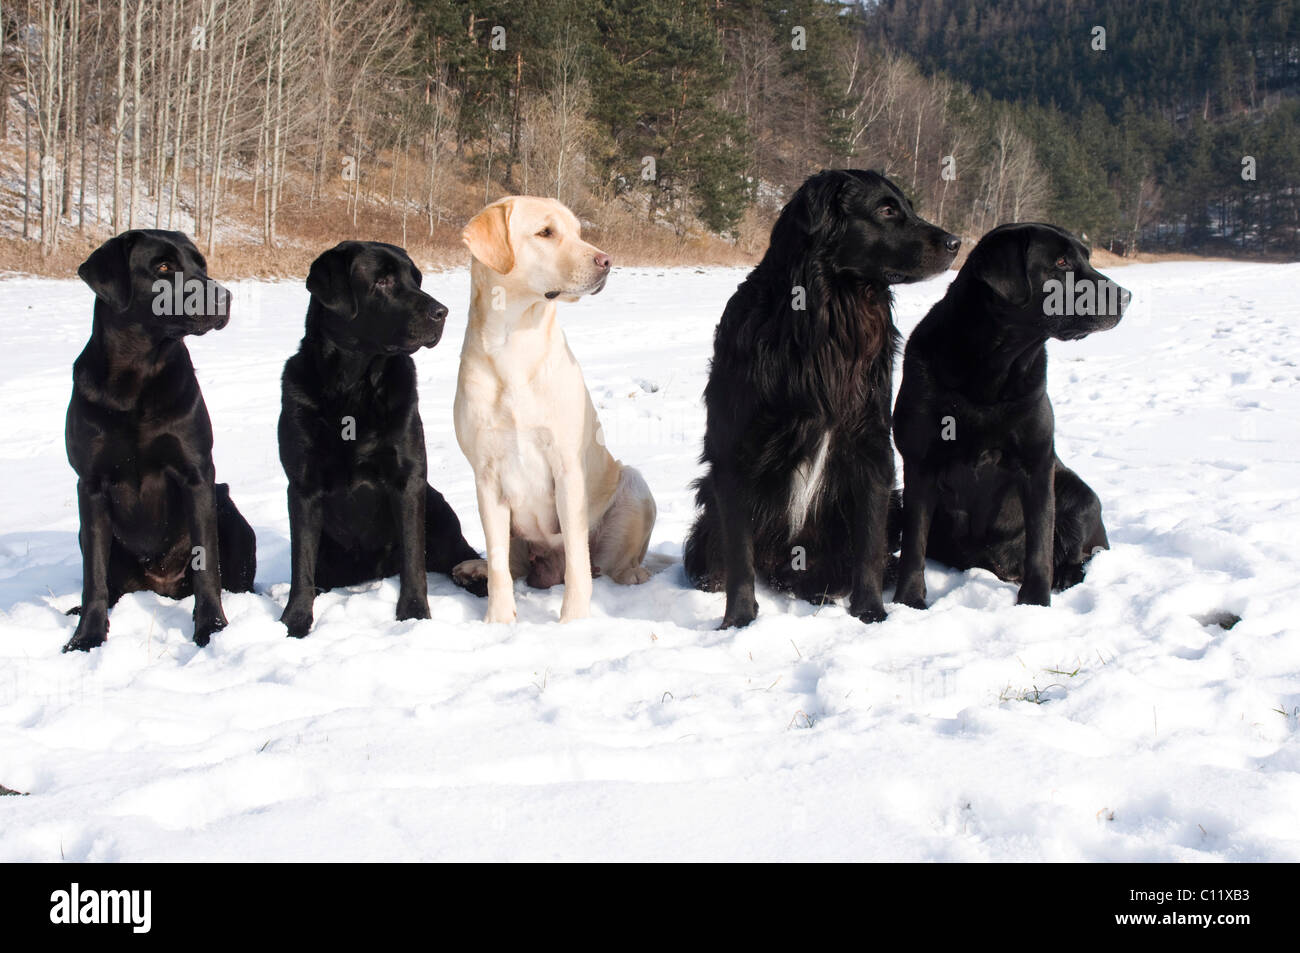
138 434
982 483
351 439
800 465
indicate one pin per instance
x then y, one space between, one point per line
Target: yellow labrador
555 504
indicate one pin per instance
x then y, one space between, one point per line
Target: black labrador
982 485
138 435
351 439
800 466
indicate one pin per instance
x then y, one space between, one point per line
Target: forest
675 128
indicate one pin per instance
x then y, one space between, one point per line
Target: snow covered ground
1116 725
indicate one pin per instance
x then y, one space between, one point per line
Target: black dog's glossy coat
982 483
140 439
790 386
351 439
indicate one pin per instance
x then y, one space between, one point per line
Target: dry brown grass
1102 258
305 229
20 257
304 232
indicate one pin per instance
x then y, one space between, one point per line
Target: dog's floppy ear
487 236
805 217
1003 265
815 212
108 271
330 281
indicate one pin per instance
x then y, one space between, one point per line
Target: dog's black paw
413 607
206 626
477 587
91 632
912 601
471 575
740 612
911 594
297 621
1034 594
872 612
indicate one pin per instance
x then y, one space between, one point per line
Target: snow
1112 726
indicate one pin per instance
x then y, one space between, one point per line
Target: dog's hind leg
620 540
236 544
444 545
545 566
701 559
1080 532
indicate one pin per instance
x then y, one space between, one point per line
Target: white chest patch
806 485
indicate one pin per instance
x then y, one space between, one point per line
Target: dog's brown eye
165 268
544 233
888 211
385 282
1061 262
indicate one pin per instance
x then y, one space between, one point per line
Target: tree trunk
119 121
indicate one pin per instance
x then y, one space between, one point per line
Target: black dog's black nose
952 243
438 311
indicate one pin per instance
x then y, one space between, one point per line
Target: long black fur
981 480
783 378
140 439
351 439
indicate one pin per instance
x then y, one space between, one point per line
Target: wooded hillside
675 128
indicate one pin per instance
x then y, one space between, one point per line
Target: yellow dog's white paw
572 613
632 577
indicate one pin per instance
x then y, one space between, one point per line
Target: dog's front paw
413 607
911 594
92 630
297 619
868 610
574 612
471 575
866 605
500 613
871 615
740 612
1034 593
206 625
